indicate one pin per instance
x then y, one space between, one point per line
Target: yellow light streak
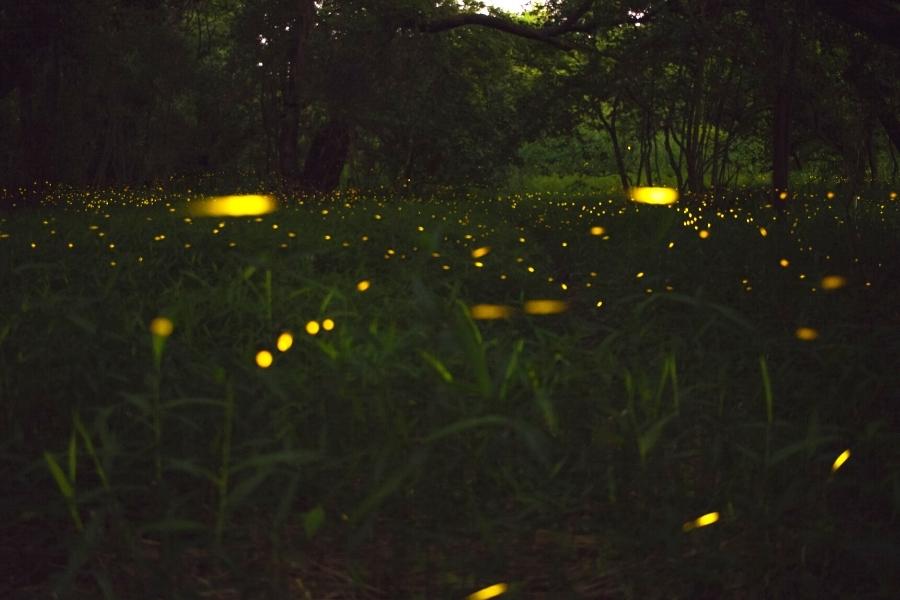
702 521
285 341
491 311
654 195
840 460
491 591
233 206
545 307
480 252
833 282
264 359
161 327
807 334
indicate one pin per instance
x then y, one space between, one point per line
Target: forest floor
362 397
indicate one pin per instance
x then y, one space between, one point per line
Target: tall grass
415 452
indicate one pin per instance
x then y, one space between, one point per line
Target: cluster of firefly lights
233 206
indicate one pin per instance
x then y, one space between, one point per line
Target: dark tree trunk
781 127
326 157
289 117
781 142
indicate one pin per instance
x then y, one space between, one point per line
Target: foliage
411 451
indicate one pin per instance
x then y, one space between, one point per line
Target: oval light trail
491 311
545 307
654 195
491 591
285 341
480 252
161 327
234 206
807 334
702 521
833 282
264 359
840 460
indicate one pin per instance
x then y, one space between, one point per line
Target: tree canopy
420 95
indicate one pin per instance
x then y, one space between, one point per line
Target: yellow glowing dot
599 304
782 195
840 460
234 206
671 245
478 264
807 334
531 269
285 341
893 195
833 282
639 275
491 311
264 359
830 195
654 195
312 328
363 285
703 234
703 521
327 324
479 252
489 592
784 262
763 232
161 327
521 240
596 230
545 307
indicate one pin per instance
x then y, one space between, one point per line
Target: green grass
413 452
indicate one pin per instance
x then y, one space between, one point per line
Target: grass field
699 360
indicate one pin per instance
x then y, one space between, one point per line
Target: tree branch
878 18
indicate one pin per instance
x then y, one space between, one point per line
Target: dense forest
421 299
421 95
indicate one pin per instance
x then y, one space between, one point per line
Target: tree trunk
781 126
326 157
289 117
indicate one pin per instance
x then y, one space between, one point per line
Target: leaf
288 457
648 439
192 469
437 365
512 365
61 481
465 425
473 345
313 521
